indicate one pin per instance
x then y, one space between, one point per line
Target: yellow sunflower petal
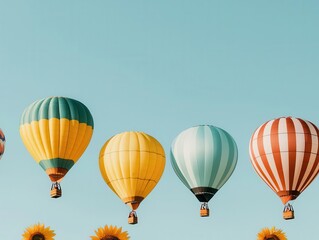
110 231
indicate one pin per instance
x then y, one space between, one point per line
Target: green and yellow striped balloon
56 132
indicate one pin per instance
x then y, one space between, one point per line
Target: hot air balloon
132 163
56 132
204 157
284 153
2 143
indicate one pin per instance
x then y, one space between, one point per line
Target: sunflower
110 233
38 232
271 234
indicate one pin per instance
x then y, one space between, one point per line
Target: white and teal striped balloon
204 157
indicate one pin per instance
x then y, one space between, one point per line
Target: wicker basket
56 193
204 212
288 215
132 219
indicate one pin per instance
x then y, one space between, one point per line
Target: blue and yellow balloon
56 132
204 157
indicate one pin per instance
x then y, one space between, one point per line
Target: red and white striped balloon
285 154
2 143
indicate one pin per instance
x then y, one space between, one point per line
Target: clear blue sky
158 67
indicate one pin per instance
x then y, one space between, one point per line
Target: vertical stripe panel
179 160
72 138
37 140
45 138
223 159
231 163
312 175
256 160
199 155
44 130
54 129
24 130
81 131
291 150
255 157
283 148
177 168
217 147
314 157
146 158
88 132
303 150
268 139
189 147
209 154
64 127
263 160
275 149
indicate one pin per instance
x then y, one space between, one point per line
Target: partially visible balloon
131 164
204 157
56 132
2 143
285 154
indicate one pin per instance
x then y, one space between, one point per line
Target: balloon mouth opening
204 194
56 174
287 196
56 177
133 202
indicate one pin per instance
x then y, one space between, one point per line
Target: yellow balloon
132 163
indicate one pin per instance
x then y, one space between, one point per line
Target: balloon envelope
132 163
285 154
56 132
2 143
204 157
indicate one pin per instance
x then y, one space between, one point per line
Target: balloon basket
204 212
56 190
132 218
288 215
288 212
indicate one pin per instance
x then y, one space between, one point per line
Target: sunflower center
273 238
110 238
38 236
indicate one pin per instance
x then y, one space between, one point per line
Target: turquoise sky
158 67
